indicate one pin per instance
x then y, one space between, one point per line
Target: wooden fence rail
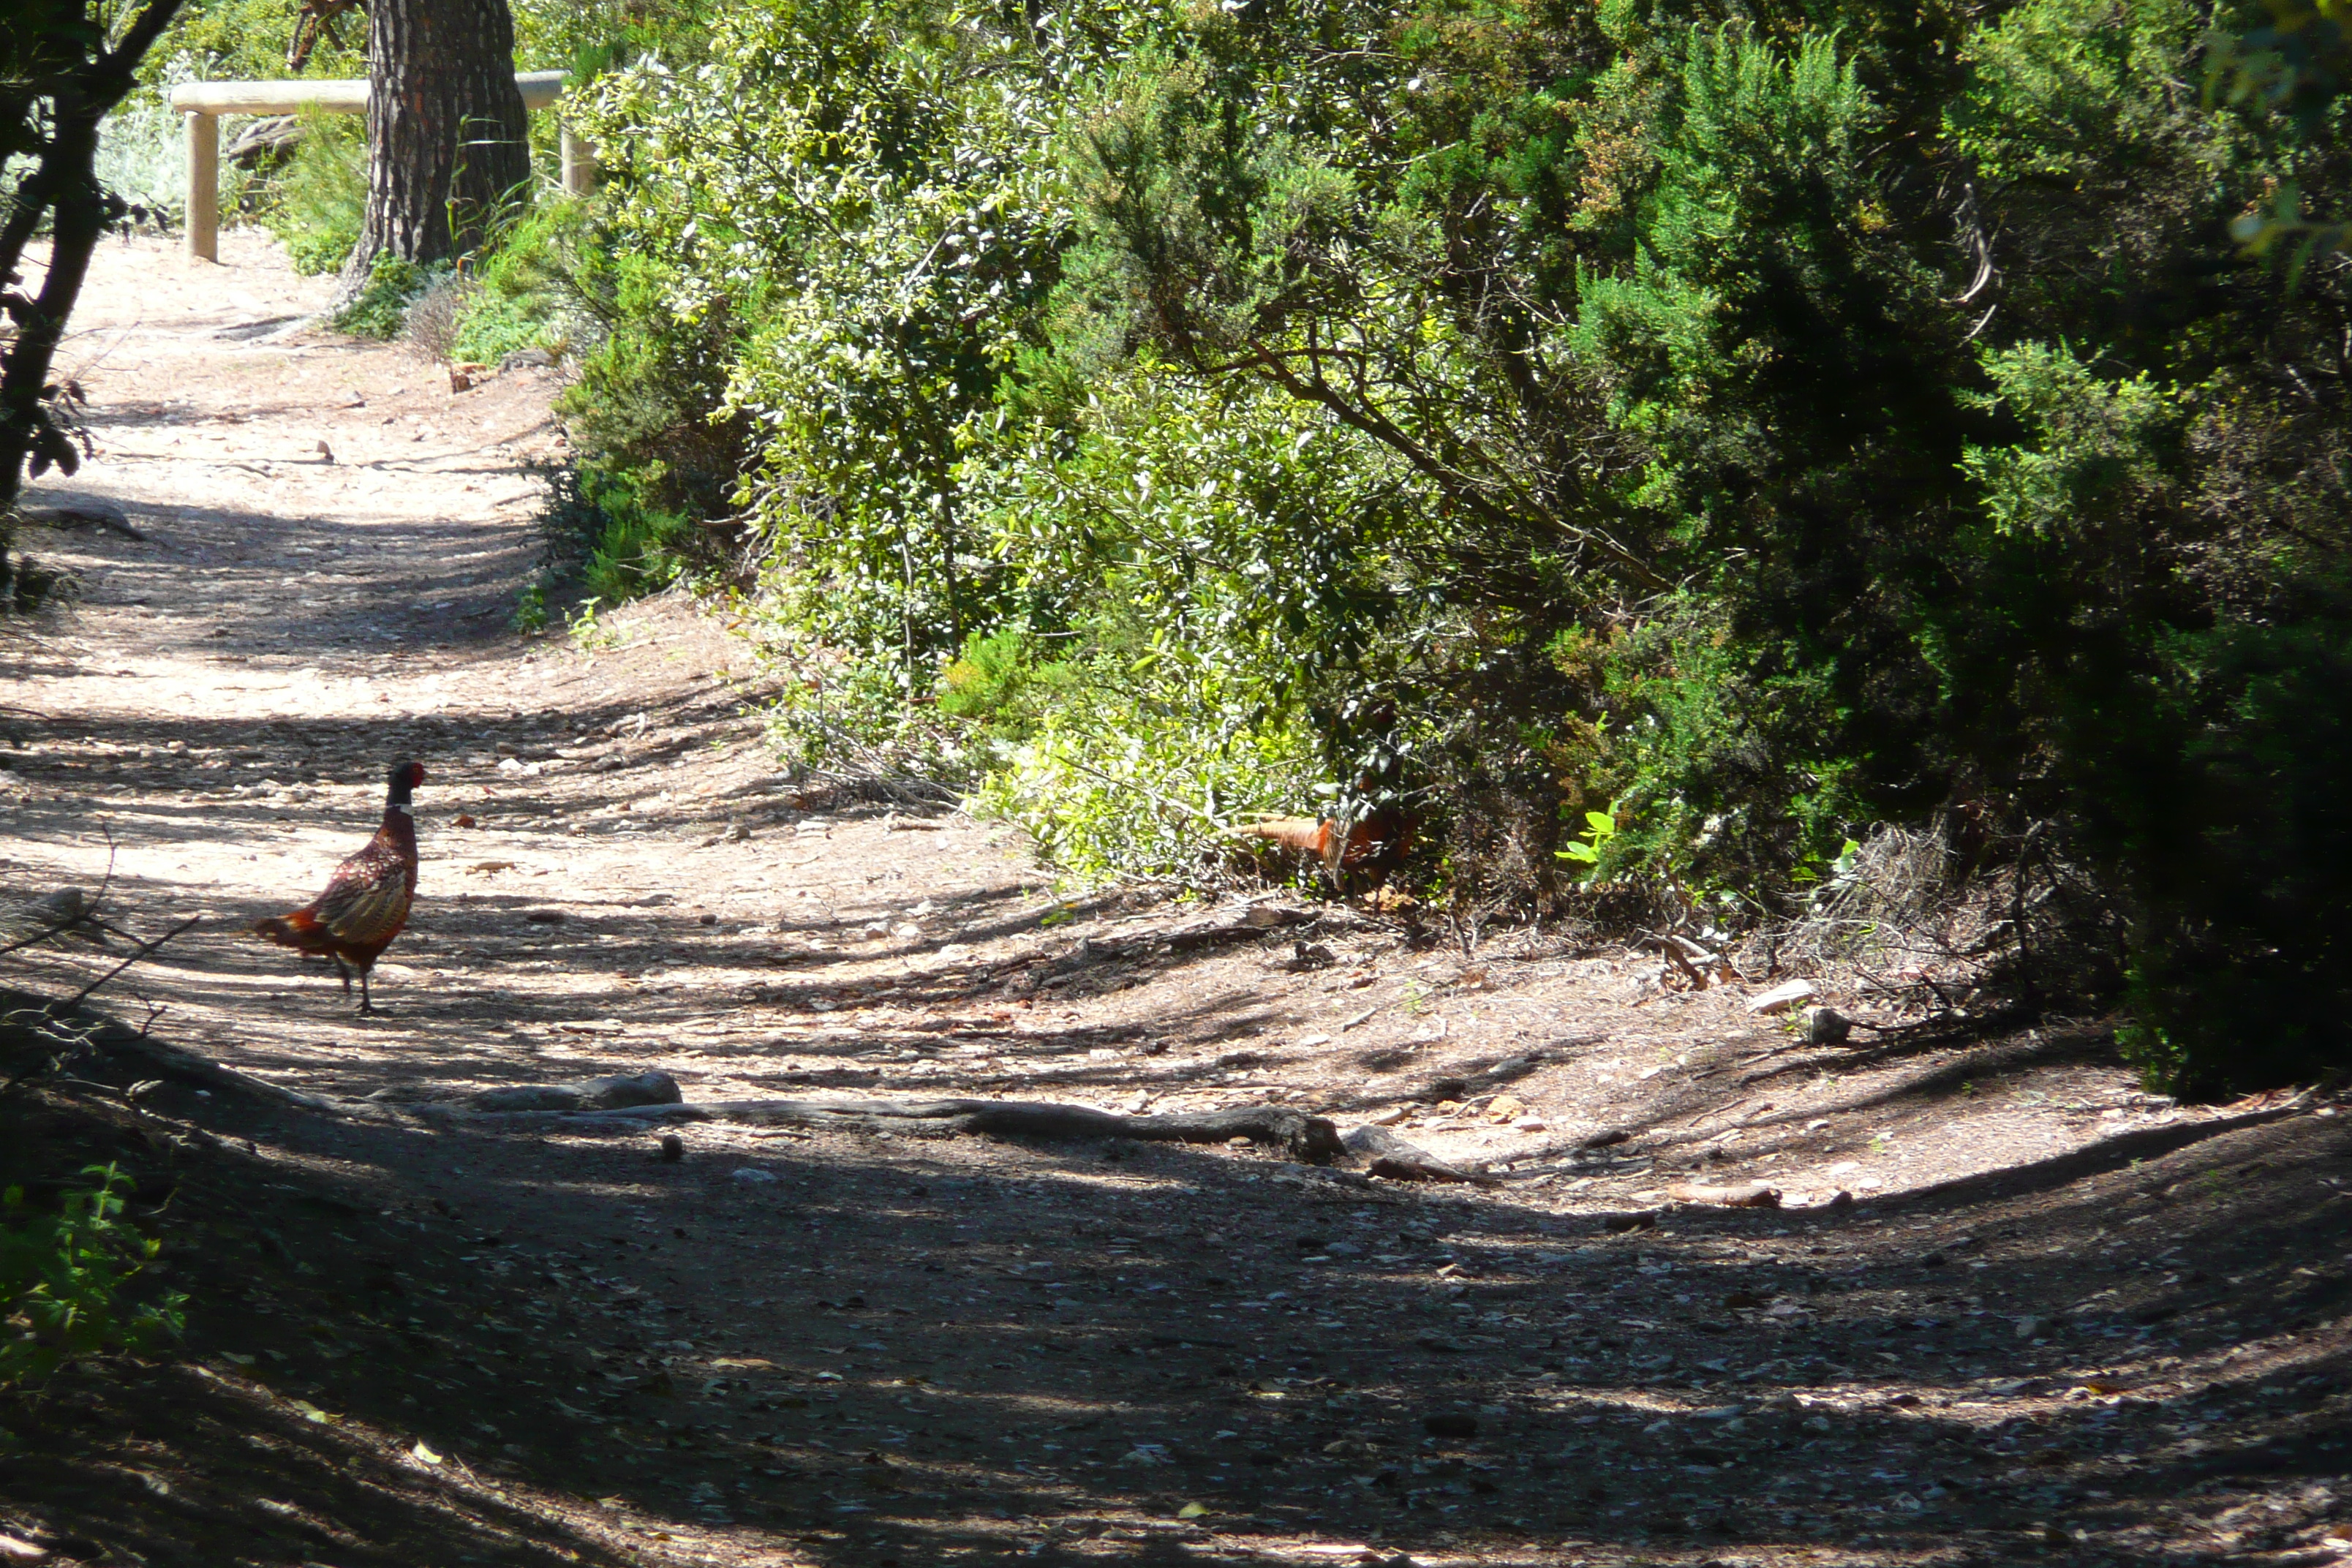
202 103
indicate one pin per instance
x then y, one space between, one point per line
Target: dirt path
2062 1317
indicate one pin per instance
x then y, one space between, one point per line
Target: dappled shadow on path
855 1348
926 1348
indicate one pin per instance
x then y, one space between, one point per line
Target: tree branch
66 185
78 997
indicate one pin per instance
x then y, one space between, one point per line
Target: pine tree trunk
447 145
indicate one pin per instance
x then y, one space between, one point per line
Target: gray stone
589 1094
1827 1026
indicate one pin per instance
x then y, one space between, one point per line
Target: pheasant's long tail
297 930
1292 833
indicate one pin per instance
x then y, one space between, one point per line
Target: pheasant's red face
416 774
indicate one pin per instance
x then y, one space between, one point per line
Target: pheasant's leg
366 1005
343 970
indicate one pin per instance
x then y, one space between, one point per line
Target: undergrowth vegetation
1743 426
64 1280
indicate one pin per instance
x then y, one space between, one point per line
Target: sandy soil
2052 1316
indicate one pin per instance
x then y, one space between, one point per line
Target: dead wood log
1735 1195
625 1119
1311 1139
1704 966
263 141
1399 1161
172 1062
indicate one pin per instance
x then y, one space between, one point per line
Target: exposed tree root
1311 1139
1399 1161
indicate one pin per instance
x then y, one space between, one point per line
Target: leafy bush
601 539
1121 776
1709 754
1745 430
142 157
62 1281
1003 682
381 307
656 452
523 295
317 201
2220 790
247 40
637 547
854 717
493 324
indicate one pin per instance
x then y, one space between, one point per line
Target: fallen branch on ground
1737 1196
50 1028
1312 1139
83 514
621 1091
172 1062
1399 1161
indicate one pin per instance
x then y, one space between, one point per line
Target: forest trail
2049 1316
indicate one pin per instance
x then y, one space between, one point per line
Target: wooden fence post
579 164
203 103
203 186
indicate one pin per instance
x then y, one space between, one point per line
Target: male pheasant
366 901
1375 843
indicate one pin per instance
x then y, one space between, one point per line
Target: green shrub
62 1281
1708 753
523 295
656 452
247 40
380 310
855 717
493 325
143 158
2215 789
317 201
639 548
604 539
1122 775
1003 682
1747 431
